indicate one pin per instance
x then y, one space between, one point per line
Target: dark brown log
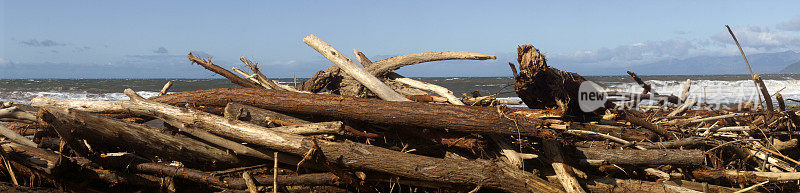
162 169
146 141
763 89
221 71
630 117
543 87
447 117
55 166
674 144
781 103
644 157
647 88
630 134
609 185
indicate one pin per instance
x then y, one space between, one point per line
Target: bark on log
330 78
543 87
235 182
350 154
736 176
763 89
131 137
447 117
221 71
353 69
633 119
644 157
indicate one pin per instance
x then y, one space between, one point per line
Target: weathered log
543 87
162 169
67 169
685 106
221 71
329 78
259 116
15 137
352 69
441 91
609 185
384 68
554 152
763 89
781 103
737 176
647 87
353 155
644 157
165 88
686 87
633 119
259 76
630 134
448 117
674 144
16 113
131 137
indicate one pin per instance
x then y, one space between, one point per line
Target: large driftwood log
353 69
448 117
262 117
353 155
644 157
543 87
131 137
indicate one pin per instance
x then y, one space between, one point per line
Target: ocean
707 89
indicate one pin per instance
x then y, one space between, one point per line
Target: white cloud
791 25
630 54
760 39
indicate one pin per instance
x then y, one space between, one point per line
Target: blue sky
141 39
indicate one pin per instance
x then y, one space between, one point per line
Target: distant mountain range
765 63
792 69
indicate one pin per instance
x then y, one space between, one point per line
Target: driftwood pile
364 128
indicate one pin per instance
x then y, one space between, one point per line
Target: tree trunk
543 87
447 117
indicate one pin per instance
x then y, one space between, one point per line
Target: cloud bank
43 43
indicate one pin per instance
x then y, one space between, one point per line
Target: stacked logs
365 128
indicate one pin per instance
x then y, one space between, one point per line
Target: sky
150 39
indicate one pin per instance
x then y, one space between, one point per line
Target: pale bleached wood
686 87
439 90
258 75
689 103
165 88
16 137
16 113
353 69
564 172
380 68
